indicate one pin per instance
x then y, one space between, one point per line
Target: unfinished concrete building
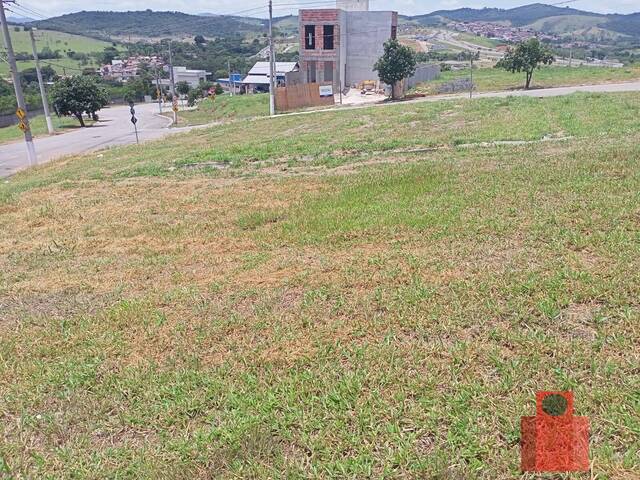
339 46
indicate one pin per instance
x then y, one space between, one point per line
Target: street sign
23 126
134 120
21 114
132 110
175 105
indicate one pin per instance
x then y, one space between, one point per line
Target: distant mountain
545 18
19 20
150 24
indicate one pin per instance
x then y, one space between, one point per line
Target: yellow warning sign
175 106
23 126
21 114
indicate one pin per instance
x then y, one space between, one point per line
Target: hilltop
545 18
149 24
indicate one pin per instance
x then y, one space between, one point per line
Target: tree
397 63
526 57
193 96
183 88
78 94
29 75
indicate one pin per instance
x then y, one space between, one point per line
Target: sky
407 7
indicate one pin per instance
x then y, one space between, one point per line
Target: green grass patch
39 127
226 108
388 316
493 79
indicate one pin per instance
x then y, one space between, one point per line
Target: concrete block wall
366 32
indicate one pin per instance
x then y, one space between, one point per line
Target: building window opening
311 72
328 31
328 71
310 37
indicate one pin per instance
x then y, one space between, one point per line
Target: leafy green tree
219 90
526 57
183 88
107 55
78 94
397 63
29 75
193 96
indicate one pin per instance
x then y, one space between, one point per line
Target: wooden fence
294 97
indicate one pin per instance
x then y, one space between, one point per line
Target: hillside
62 42
546 18
150 24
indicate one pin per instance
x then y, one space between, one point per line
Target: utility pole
272 65
22 107
158 91
232 87
43 93
471 86
174 100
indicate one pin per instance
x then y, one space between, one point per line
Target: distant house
257 80
128 68
233 84
183 74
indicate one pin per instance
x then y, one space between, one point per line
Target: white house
183 74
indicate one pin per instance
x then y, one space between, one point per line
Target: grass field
55 41
353 294
478 40
493 79
225 107
38 127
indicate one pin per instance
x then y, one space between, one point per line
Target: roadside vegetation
351 294
39 127
493 79
226 107
57 49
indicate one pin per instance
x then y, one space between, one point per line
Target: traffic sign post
134 120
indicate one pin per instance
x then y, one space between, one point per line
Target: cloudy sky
409 7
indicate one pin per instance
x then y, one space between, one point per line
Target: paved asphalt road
115 127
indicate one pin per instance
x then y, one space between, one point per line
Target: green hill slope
150 24
545 18
55 41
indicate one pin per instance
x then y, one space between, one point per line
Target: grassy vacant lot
38 127
225 108
359 294
493 79
478 40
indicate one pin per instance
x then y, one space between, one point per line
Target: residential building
183 74
232 84
128 68
257 80
339 46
